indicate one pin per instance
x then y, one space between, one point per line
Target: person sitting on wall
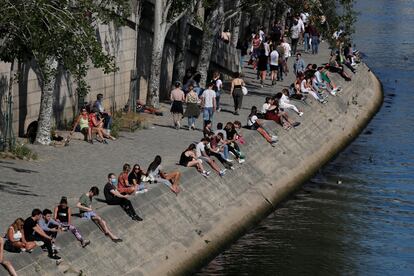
96 123
85 209
170 179
334 67
114 197
83 121
208 129
63 216
254 123
324 81
106 115
231 138
280 117
15 240
33 233
284 102
188 159
7 264
135 179
201 154
124 187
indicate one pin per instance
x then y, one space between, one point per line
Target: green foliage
59 30
21 151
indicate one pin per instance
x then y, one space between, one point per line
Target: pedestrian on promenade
299 65
63 216
218 85
201 154
188 158
113 197
314 34
156 174
33 233
192 110
236 91
254 123
262 64
177 98
7 264
85 209
306 39
274 64
208 102
287 53
124 187
83 121
295 32
14 239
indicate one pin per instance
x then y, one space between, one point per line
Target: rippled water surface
356 216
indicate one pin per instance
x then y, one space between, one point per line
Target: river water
356 216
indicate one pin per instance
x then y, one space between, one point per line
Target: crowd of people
268 55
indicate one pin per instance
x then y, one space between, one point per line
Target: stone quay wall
179 234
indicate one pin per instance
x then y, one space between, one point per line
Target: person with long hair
63 215
188 159
193 110
170 179
15 240
96 123
254 123
83 121
236 92
7 264
262 64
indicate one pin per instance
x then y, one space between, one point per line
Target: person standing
193 110
177 98
295 31
274 64
208 102
262 65
314 34
237 93
218 85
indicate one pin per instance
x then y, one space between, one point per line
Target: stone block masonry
179 233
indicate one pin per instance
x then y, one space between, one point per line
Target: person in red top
96 123
124 187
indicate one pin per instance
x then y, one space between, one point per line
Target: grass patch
20 151
130 121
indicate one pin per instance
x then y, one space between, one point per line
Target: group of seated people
315 81
96 120
219 143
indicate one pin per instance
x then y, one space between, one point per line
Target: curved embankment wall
180 233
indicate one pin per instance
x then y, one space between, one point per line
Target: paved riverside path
72 170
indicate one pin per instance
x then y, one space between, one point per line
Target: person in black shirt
134 178
113 197
33 232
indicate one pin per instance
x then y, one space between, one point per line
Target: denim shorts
88 215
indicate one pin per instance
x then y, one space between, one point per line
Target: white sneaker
300 114
274 138
141 191
229 160
241 161
55 247
205 173
39 243
333 92
222 172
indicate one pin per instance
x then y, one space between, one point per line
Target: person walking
218 85
262 65
274 64
177 98
192 110
295 32
237 93
314 34
208 102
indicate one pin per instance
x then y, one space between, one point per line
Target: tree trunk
160 32
211 29
46 105
181 48
236 27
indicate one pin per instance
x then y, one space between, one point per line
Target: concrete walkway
72 170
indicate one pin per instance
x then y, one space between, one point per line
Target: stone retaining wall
181 233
